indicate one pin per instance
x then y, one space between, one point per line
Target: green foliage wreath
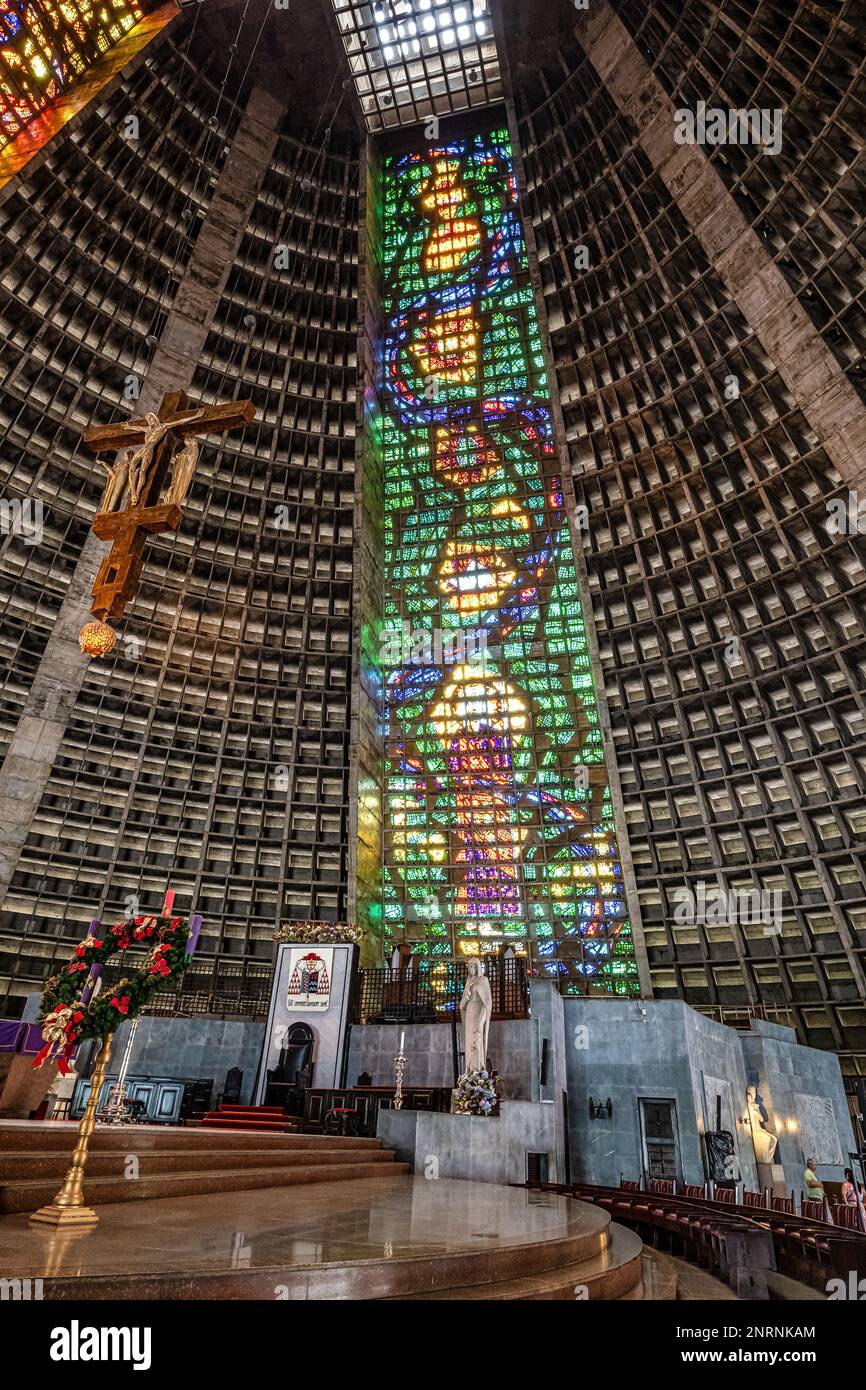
65 1020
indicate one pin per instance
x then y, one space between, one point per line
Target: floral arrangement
475 1093
321 933
69 1014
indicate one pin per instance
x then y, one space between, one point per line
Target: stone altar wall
474 1146
782 1069
633 1049
515 1050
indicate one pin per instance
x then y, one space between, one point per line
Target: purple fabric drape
24 1038
10 1031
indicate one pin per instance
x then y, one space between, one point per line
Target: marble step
612 1272
24 1165
27 1196
47 1135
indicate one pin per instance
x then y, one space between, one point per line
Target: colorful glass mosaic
499 824
46 46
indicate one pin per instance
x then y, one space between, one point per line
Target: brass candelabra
399 1068
68 1207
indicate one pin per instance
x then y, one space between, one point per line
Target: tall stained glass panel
499 824
47 45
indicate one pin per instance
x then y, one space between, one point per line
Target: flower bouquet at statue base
475 1094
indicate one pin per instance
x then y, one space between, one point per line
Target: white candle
402 1040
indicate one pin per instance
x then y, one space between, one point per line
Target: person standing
814 1187
849 1188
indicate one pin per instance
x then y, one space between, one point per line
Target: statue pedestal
772 1176
481 1148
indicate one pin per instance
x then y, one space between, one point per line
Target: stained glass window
499 824
46 46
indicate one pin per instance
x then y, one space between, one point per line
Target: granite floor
698 1285
316 1225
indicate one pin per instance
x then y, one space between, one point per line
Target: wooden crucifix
147 484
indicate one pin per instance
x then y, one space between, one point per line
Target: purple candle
90 982
96 967
194 929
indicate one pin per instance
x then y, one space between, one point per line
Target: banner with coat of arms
310 974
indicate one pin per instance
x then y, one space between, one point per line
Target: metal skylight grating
414 58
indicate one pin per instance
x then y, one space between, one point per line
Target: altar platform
176 1162
373 1238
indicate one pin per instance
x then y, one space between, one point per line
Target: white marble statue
476 1007
764 1140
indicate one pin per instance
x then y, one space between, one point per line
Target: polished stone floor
698 1285
315 1225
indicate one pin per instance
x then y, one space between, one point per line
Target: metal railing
427 991
430 991
241 990
740 1015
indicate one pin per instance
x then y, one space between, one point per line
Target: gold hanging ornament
97 639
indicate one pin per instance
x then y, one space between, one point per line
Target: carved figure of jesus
139 460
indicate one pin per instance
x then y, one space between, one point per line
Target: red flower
77 965
72 1025
122 1004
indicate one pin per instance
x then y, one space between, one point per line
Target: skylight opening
416 58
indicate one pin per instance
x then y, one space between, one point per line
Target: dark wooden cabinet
164 1097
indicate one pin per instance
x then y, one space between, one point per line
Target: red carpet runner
258 1118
